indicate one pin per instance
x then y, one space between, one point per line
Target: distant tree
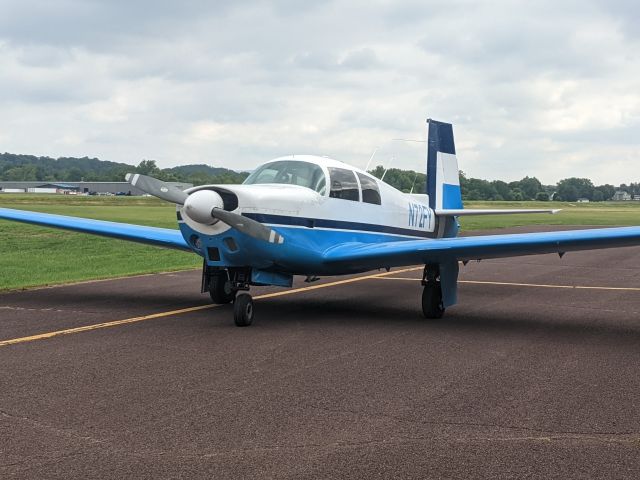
74 174
606 190
517 195
503 190
167 175
148 167
21 174
542 196
568 193
570 189
403 180
528 186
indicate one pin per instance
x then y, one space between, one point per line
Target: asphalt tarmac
532 375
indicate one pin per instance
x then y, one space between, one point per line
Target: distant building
64 188
104 188
636 198
583 200
621 195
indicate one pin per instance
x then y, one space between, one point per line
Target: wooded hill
69 169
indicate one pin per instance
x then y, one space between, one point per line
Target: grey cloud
131 80
98 23
362 59
315 60
626 13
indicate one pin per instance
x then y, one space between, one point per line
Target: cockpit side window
343 184
370 190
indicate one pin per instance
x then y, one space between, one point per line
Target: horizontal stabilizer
465 212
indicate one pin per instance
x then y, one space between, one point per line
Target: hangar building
78 187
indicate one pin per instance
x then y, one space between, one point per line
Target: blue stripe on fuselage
335 224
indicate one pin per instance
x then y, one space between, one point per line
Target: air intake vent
231 244
214 254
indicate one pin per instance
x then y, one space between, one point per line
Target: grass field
601 213
35 256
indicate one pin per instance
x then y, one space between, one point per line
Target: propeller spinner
205 207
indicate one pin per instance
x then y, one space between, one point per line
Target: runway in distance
315 216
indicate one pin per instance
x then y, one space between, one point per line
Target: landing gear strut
220 289
223 286
432 304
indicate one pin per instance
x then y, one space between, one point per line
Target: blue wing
161 237
412 252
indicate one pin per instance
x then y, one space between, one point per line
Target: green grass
35 256
601 213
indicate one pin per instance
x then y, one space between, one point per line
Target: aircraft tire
432 306
220 290
243 310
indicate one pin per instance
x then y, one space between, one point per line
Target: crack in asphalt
40 424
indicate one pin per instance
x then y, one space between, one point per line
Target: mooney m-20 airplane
314 216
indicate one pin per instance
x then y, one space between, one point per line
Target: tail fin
443 182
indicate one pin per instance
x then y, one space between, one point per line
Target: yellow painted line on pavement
96 326
115 323
538 285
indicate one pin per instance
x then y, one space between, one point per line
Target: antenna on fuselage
366 169
414 183
393 157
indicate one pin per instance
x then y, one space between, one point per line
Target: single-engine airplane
314 216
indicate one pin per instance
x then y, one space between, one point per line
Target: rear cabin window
343 184
370 190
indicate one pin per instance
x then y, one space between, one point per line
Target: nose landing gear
223 286
243 310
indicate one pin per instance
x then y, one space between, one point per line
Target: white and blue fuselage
341 204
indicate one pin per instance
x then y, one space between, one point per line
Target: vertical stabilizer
443 181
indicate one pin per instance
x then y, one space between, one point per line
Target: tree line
70 169
528 188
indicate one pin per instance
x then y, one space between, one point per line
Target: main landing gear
432 304
220 289
223 286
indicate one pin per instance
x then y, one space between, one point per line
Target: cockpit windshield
291 172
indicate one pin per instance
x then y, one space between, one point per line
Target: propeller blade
198 201
247 226
157 188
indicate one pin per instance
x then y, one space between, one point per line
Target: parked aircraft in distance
314 216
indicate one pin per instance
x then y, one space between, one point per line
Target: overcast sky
544 88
